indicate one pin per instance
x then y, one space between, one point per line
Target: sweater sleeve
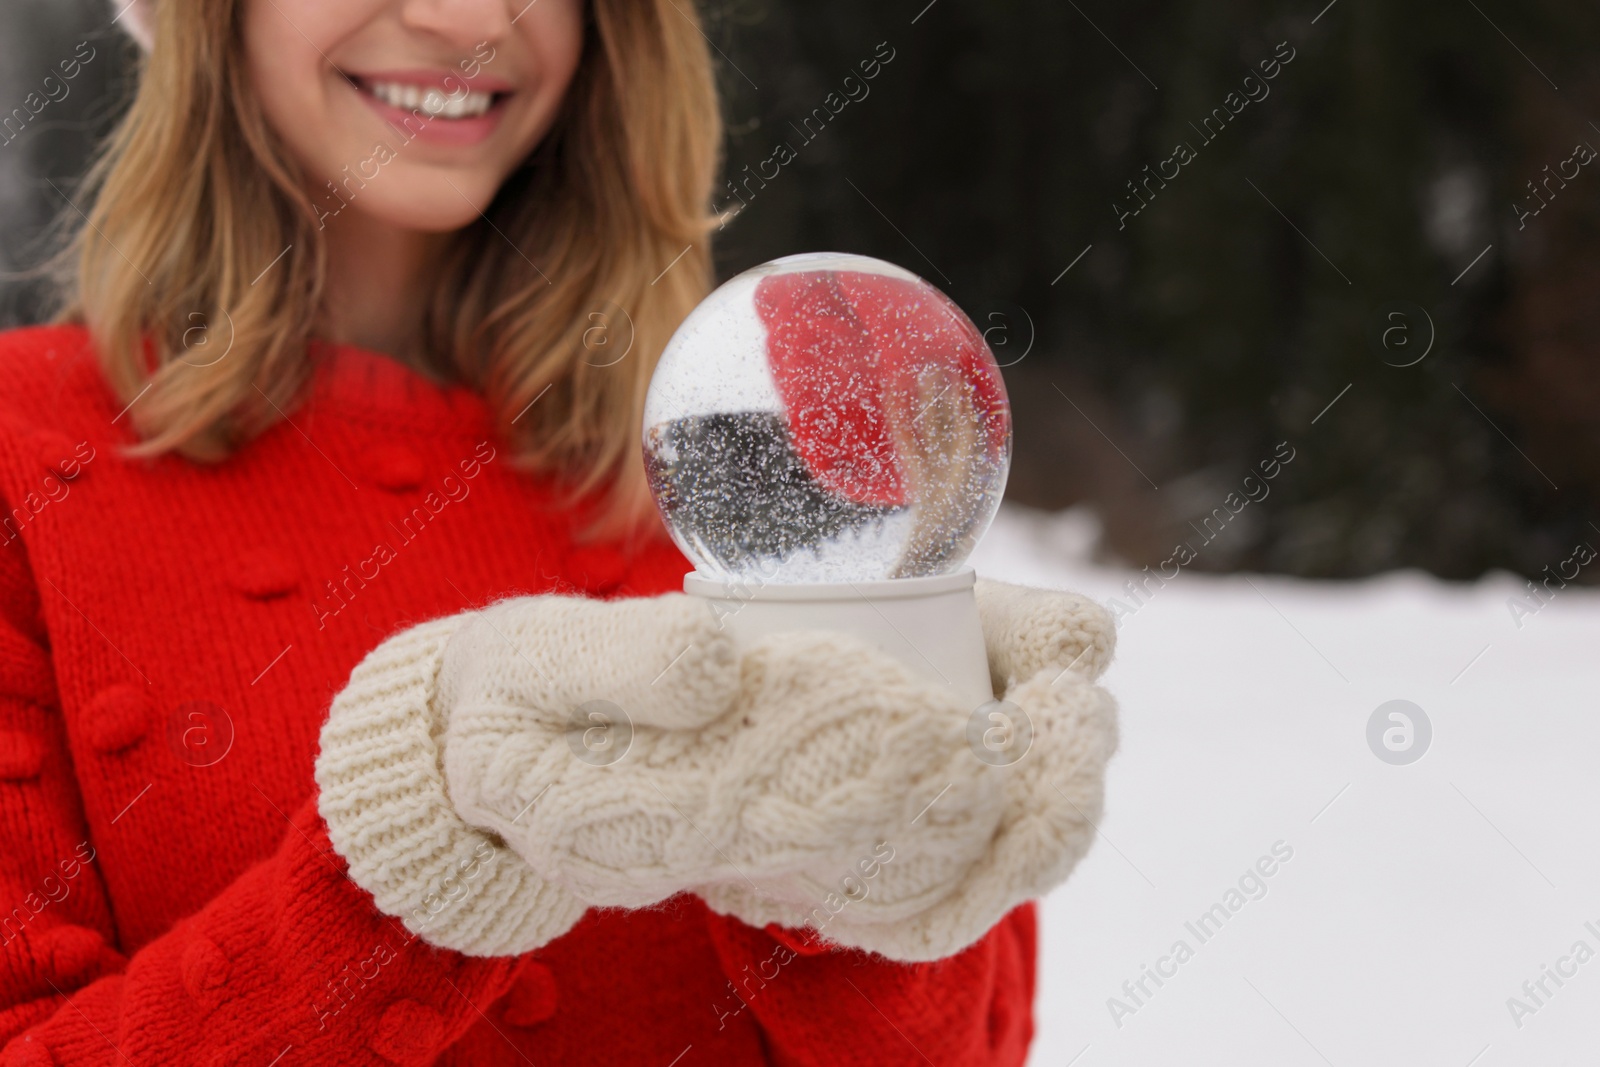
291 955
972 1008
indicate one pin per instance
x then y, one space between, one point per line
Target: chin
425 205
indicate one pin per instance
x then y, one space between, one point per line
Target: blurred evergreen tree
1376 168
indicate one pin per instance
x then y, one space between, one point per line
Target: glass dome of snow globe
827 418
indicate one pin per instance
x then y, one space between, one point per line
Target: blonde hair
193 196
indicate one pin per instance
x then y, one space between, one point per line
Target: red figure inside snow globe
830 427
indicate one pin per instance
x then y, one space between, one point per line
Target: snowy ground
1418 899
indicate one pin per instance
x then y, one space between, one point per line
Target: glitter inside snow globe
827 436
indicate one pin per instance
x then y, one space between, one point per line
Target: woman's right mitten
627 751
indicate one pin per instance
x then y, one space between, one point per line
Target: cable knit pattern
1054 797
753 780
1052 800
666 660
383 797
819 747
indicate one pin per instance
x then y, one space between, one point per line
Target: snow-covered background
1418 898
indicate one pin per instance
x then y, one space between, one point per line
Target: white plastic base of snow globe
930 624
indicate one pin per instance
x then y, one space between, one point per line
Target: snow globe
827 436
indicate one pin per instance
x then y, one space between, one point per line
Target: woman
333 371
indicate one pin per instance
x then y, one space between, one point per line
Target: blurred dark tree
1385 157
1379 171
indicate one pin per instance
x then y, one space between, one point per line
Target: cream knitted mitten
1058 730
627 751
382 793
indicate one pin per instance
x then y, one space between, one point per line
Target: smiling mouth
435 102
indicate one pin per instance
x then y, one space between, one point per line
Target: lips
880 378
442 107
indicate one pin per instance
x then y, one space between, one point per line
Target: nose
462 23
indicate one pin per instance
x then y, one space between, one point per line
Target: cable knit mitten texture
627 751
381 792
811 749
772 782
1061 731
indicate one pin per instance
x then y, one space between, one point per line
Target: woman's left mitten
1048 740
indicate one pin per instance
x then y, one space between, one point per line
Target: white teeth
433 102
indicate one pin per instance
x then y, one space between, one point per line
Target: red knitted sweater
171 636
